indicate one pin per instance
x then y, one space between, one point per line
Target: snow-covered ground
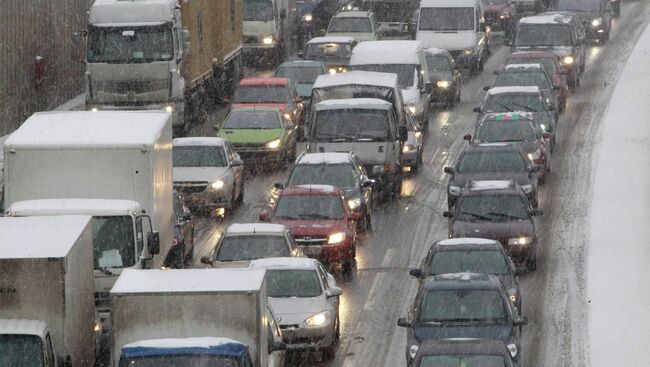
618 279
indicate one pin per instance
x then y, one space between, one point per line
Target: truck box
46 276
96 155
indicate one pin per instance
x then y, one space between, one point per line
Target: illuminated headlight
468 51
287 116
567 60
407 148
377 168
520 241
267 40
354 203
273 144
443 84
412 109
307 17
98 326
337 237
318 319
454 190
527 188
535 155
597 22
218 185
332 71
513 350
413 350
94 109
504 16
512 294
418 134
169 109
543 126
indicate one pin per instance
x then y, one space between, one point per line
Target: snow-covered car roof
198 141
85 129
388 80
175 343
546 18
435 51
22 327
466 241
331 39
285 262
359 103
254 228
490 185
524 66
503 90
120 12
137 281
447 3
325 158
28 208
386 52
353 14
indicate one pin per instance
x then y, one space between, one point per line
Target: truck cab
26 343
266 29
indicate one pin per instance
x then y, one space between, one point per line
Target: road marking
389 256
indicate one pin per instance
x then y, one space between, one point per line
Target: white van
407 60
456 26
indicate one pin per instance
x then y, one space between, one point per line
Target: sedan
444 76
464 352
524 75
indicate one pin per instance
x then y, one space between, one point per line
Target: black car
464 352
462 305
474 255
497 210
492 161
444 77
183 243
596 16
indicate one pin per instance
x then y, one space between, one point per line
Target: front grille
310 241
132 86
191 188
491 16
245 146
289 339
250 39
289 326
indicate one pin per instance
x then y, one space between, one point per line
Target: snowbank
618 287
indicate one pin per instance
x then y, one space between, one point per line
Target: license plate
311 251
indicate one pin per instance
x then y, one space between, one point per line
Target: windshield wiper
508 109
504 215
364 137
526 108
333 137
106 271
477 216
313 215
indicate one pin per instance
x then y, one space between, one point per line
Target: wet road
553 296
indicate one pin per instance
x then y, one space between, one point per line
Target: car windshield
180 360
387 11
493 131
304 8
309 207
351 125
300 74
405 72
323 51
488 2
438 63
241 248
528 78
492 162
113 242
543 35
21 350
340 175
350 25
258 10
199 156
252 120
472 261
579 5
462 305
130 44
548 63
446 19
514 102
292 283
502 208
262 94
462 361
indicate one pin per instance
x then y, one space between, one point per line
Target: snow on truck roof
327 158
285 262
546 18
185 346
331 39
22 327
257 228
365 103
447 3
388 80
40 207
89 129
501 90
40 237
386 52
198 141
120 12
135 281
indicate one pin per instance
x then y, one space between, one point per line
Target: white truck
157 312
47 315
267 29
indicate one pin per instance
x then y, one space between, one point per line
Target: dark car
562 33
304 74
596 16
501 15
343 170
444 76
473 255
183 242
497 210
334 51
492 161
464 352
462 305
529 75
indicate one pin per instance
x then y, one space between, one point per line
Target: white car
208 174
305 299
358 24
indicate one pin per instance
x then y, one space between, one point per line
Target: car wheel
346 270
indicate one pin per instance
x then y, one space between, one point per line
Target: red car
322 223
270 92
553 68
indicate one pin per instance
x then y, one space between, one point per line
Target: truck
178 56
267 30
114 155
394 17
182 307
47 315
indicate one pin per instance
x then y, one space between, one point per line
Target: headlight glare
218 185
512 348
512 294
535 155
407 148
318 319
413 350
267 40
354 203
527 188
520 241
596 22
568 60
169 109
337 237
468 51
454 190
412 109
443 84
273 144
308 17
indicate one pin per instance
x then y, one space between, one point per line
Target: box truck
47 315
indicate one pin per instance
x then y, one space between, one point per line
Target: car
552 66
462 305
208 174
343 170
182 249
241 243
497 210
501 15
596 15
444 77
492 161
311 16
303 73
321 221
528 6
473 255
358 24
526 75
305 298
270 92
519 128
561 33
413 147
334 51
260 135
463 352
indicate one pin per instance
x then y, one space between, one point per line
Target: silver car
411 158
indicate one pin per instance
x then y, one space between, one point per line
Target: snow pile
617 276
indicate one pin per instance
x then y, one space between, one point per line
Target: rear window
340 175
492 162
462 305
349 25
242 248
252 120
528 78
262 94
462 361
472 261
543 35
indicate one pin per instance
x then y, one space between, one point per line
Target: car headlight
520 241
307 17
567 60
504 15
543 126
527 188
267 40
413 350
169 108
512 294
354 203
512 348
337 237
332 71
412 109
468 51
454 190
379 168
418 134
443 84
287 116
318 319
218 185
94 109
597 22
535 155
274 144
407 148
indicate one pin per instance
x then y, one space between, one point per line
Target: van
267 29
457 26
407 60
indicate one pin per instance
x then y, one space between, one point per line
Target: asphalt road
381 290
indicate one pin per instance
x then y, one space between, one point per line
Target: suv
527 75
497 210
270 92
562 33
596 15
463 352
343 170
492 161
462 305
358 24
501 15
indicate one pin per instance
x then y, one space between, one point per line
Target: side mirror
546 135
356 216
215 128
403 322
403 133
535 169
278 185
153 243
486 88
476 109
237 162
265 216
206 260
448 170
467 137
537 212
521 321
334 292
417 273
447 214
277 346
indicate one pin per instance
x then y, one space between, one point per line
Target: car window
324 51
300 75
543 35
462 305
438 63
242 248
472 261
523 78
446 19
293 283
323 277
493 131
261 94
350 25
369 125
514 102
252 120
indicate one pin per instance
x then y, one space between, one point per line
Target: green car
260 135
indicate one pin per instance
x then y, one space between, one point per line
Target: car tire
346 270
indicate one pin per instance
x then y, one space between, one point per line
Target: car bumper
410 158
328 254
308 339
257 157
206 199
